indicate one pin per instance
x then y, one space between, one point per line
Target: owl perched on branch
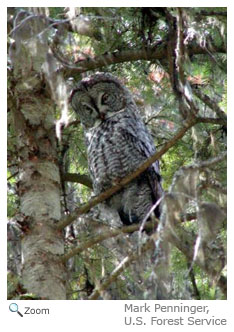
117 143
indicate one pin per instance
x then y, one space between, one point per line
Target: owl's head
99 97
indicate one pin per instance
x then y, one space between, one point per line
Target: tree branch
103 196
220 121
12 175
85 179
211 13
186 246
158 51
210 103
103 236
208 163
196 292
181 243
120 268
78 178
115 232
132 228
109 192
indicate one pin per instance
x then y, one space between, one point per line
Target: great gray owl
117 143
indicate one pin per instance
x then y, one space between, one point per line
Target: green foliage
179 155
56 12
120 29
12 199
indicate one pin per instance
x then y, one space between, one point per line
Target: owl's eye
87 108
105 98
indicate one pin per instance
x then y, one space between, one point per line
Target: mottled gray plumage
117 143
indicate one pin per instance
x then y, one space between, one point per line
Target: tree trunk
32 112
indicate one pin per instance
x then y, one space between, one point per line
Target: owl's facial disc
96 107
95 102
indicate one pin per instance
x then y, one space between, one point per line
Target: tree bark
31 109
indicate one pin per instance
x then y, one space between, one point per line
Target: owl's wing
147 149
138 136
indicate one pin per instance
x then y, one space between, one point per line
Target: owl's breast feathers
117 147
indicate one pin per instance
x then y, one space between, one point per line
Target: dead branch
186 246
208 163
121 267
103 236
210 103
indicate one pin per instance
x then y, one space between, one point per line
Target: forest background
60 246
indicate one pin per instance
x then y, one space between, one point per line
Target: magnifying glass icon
14 308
